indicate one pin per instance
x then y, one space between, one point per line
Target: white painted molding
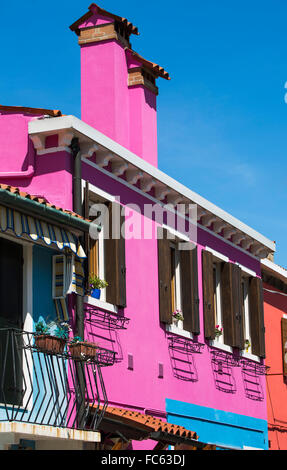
246 243
161 192
119 167
178 331
238 238
89 150
53 150
208 219
228 232
218 255
275 268
174 198
88 133
147 183
133 175
38 141
101 304
156 201
219 225
65 138
103 158
248 271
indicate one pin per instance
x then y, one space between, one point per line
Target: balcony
50 389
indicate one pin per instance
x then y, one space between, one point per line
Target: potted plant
81 349
177 316
247 345
218 331
96 284
51 338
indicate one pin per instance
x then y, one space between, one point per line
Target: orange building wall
275 306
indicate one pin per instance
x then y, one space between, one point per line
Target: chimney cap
130 27
156 69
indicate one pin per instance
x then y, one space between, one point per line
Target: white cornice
153 175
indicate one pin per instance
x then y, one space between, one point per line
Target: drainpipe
79 314
78 208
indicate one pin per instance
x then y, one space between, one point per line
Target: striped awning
24 226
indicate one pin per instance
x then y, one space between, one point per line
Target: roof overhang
133 168
273 270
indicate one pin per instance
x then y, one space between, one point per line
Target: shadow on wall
222 367
103 329
181 352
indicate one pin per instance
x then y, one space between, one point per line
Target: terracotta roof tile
157 69
155 424
37 111
39 199
130 27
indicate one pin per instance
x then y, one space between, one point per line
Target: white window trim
219 339
223 347
217 255
101 303
178 331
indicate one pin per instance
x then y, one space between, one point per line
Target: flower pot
96 293
83 350
50 344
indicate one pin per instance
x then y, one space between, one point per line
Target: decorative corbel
208 219
133 175
174 198
103 158
65 139
38 141
89 150
228 232
161 192
246 243
119 167
147 183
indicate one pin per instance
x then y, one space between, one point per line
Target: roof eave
89 135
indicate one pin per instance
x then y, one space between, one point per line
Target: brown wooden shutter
164 277
231 303
189 290
208 295
91 246
284 344
256 315
115 258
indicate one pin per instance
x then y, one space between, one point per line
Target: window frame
102 197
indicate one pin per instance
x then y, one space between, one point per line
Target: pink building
202 369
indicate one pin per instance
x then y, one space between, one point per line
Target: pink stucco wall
125 114
49 175
146 338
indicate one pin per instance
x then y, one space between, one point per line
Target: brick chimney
118 87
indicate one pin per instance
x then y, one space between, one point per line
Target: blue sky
222 119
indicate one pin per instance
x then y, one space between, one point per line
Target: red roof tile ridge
155 423
152 65
39 199
74 27
30 110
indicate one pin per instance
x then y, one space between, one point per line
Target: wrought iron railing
46 388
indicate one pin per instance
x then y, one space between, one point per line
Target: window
175 281
217 302
106 254
233 301
245 280
178 282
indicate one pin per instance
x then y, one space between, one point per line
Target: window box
50 344
83 350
